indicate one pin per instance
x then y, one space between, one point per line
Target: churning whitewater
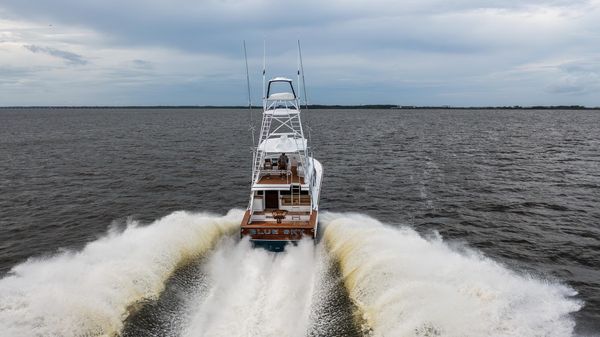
406 285
256 293
88 293
397 283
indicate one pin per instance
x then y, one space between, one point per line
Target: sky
405 52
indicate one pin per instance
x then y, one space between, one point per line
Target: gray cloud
589 66
71 58
566 87
213 26
142 64
407 52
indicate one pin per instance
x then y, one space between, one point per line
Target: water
405 285
506 202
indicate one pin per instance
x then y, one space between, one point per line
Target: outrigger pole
264 72
305 102
249 97
302 70
247 76
298 81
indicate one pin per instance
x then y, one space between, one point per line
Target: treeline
511 107
128 107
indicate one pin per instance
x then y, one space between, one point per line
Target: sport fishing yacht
286 179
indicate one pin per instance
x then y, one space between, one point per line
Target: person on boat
282 162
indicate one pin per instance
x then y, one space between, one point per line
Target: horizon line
313 106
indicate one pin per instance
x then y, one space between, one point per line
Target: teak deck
284 224
293 178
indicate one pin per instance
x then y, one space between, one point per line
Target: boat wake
256 293
364 278
406 285
89 293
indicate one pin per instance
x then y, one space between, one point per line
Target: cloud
414 52
212 25
142 64
566 86
70 57
577 77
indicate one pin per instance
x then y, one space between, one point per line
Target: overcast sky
417 52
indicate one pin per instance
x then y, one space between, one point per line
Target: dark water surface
521 186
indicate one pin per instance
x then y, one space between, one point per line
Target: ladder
295 189
259 155
296 127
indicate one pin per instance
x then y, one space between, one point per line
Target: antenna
249 96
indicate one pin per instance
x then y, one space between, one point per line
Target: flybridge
284 96
275 98
286 179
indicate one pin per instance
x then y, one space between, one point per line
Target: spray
406 285
89 293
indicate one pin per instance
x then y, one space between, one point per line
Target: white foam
88 293
256 293
405 285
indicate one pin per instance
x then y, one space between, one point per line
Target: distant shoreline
320 106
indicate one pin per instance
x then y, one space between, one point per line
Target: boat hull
274 236
273 246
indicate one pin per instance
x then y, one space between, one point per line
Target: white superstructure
286 179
